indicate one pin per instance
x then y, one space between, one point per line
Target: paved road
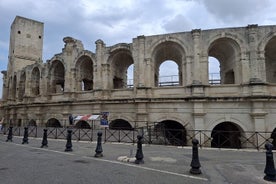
28 163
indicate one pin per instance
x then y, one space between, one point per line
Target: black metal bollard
195 161
139 153
69 141
44 140
25 137
99 149
9 137
270 173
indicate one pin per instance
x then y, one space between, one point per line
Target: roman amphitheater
242 98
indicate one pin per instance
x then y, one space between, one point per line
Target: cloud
237 11
116 21
177 24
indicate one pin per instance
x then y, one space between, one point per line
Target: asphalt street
30 164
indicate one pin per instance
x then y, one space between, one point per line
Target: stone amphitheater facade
79 81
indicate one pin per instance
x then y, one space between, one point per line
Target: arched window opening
86 85
270 60
214 71
57 74
168 74
168 59
82 125
120 124
19 122
85 73
227 52
130 76
32 123
226 135
121 61
21 91
53 122
172 132
35 81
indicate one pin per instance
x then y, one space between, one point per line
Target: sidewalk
217 166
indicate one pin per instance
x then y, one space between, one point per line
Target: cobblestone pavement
28 163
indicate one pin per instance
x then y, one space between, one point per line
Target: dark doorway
32 123
83 125
120 124
174 132
53 122
226 135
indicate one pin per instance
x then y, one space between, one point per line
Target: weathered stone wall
78 81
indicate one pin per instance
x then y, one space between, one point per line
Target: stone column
188 72
5 88
258 117
98 80
196 75
199 114
256 67
142 72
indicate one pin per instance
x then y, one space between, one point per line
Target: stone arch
130 120
164 51
56 76
53 122
262 44
186 124
22 83
120 124
32 122
270 60
227 134
228 52
35 81
174 132
120 60
82 124
84 73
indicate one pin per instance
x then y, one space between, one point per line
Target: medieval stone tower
81 82
26 44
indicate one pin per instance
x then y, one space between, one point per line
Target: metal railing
163 136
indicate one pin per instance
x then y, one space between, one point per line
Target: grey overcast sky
117 21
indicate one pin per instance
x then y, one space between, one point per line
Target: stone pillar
98 80
256 68
196 75
204 77
188 74
258 117
5 88
75 83
141 113
43 88
107 82
141 75
199 114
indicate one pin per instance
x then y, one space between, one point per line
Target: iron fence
163 136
